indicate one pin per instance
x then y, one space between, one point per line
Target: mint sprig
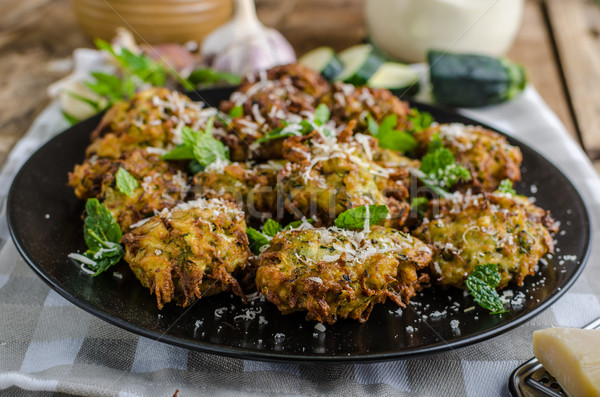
389 137
482 283
439 169
102 236
506 186
199 146
354 218
126 183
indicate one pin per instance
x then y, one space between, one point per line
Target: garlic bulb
244 45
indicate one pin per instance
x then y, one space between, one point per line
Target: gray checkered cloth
50 346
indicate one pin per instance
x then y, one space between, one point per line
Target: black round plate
45 222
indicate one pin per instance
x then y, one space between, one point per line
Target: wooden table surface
558 44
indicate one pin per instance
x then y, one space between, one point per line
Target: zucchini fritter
348 103
252 187
328 175
336 273
160 185
153 117
486 154
270 100
467 230
190 251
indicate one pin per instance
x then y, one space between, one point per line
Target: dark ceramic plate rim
244 353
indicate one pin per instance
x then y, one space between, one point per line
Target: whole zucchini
469 80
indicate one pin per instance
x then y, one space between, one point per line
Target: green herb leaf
420 205
135 71
126 183
482 283
275 134
181 152
322 114
102 236
200 146
207 150
100 225
372 125
506 186
441 171
236 111
271 228
420 120
435 144
257 240
354 218
389 137
208 77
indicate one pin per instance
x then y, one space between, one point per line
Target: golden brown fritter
160 185
335 273
467 230
190 251
328 175
150 118
251 186
486 154
348 102
270 100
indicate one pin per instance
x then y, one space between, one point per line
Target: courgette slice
360 63
469 80
396 77
324 61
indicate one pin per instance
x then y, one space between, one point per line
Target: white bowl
406 29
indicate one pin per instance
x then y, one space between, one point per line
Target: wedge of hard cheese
572 356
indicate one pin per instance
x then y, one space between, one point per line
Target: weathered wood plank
578 48
33 34
533 49
311 23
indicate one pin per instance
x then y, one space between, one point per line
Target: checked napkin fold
50 347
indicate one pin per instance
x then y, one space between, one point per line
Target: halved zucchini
324 61
360 63
470 80
397 77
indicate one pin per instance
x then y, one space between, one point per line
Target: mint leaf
236 111
207 150
389 137
322 115
435 144
271 228
275 134
257 240
102 236
372 125
397 140
199 146
482 283
420 205
441 171
181 152
135 71
354 218
420 120
207 77
100 225
126 183
506 186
